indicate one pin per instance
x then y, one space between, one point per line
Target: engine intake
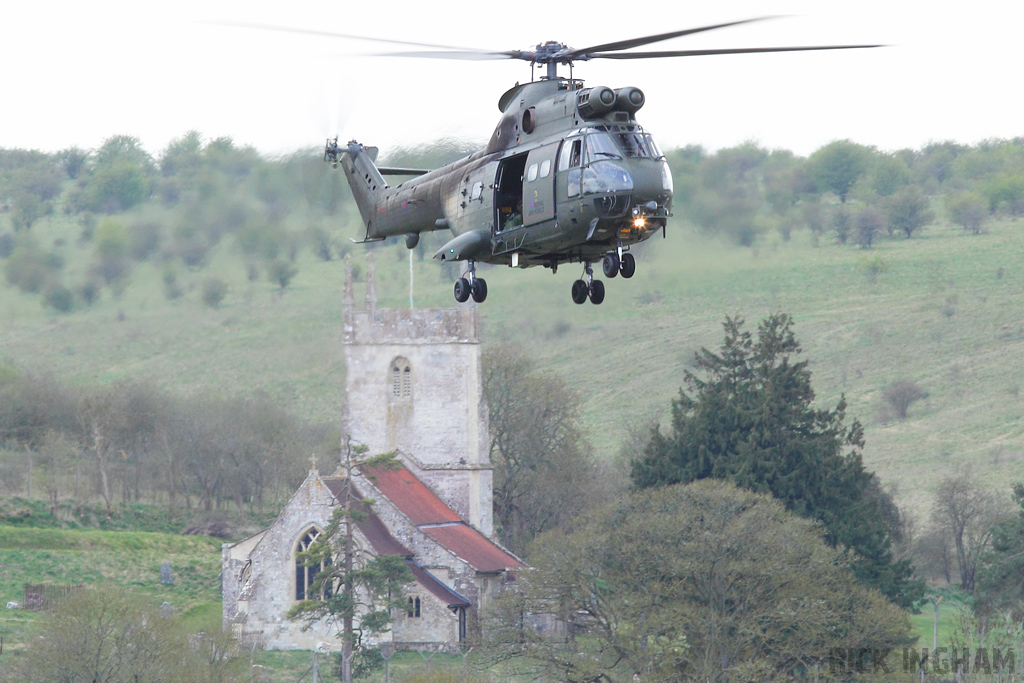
592 103
629 99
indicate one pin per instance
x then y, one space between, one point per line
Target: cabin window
478 191
545 168
413 610
531 173
400 380
306 574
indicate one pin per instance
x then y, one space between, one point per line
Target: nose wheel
616 262
588 288
470 286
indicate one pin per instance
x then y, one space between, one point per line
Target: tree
120 177
282 273
837 166
353 584
999 583
750 420
969 209
73 160
695 582
183 156
888 174
898 397
111 635
1006 189
214 291
966 512
907 210
867 225
536 447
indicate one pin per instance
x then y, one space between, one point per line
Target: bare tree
537 448
964 513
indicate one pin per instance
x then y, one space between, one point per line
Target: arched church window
306 573
400 380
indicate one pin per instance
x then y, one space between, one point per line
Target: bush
899 395
143 240
214 291
28 267
908 211
87 222
6 244
89 291
111 268
874 267
59 298
282 272
968 209
171 289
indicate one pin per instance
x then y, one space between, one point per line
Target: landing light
639 222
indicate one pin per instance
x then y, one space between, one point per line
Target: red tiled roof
411 496
424 509
435 586
472 546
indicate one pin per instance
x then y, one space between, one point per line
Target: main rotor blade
471 55
724 51
331 34
647 40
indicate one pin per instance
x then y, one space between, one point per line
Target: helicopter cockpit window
601 146
638 145
571 153
531 173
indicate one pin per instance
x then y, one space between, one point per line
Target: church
413 387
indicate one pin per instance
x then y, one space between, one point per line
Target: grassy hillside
131 560
944 313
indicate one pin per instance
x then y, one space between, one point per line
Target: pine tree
354 585
747 416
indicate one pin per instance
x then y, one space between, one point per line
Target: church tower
413 385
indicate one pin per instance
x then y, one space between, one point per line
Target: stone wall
441 425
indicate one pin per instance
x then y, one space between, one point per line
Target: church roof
411 496
370 526
435 586
439 522
472 546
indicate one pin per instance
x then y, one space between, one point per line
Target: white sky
75 73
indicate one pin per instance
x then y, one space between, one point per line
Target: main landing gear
471 285
582 289
613 263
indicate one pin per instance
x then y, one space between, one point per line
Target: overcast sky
75 73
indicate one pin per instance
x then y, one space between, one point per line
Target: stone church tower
414 386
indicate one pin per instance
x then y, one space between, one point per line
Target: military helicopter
568 176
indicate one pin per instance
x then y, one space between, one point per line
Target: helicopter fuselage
567 176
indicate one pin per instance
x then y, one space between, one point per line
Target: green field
944 313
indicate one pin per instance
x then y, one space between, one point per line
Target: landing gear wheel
579 291
479 290
628 265
462 290
596 292
610 265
